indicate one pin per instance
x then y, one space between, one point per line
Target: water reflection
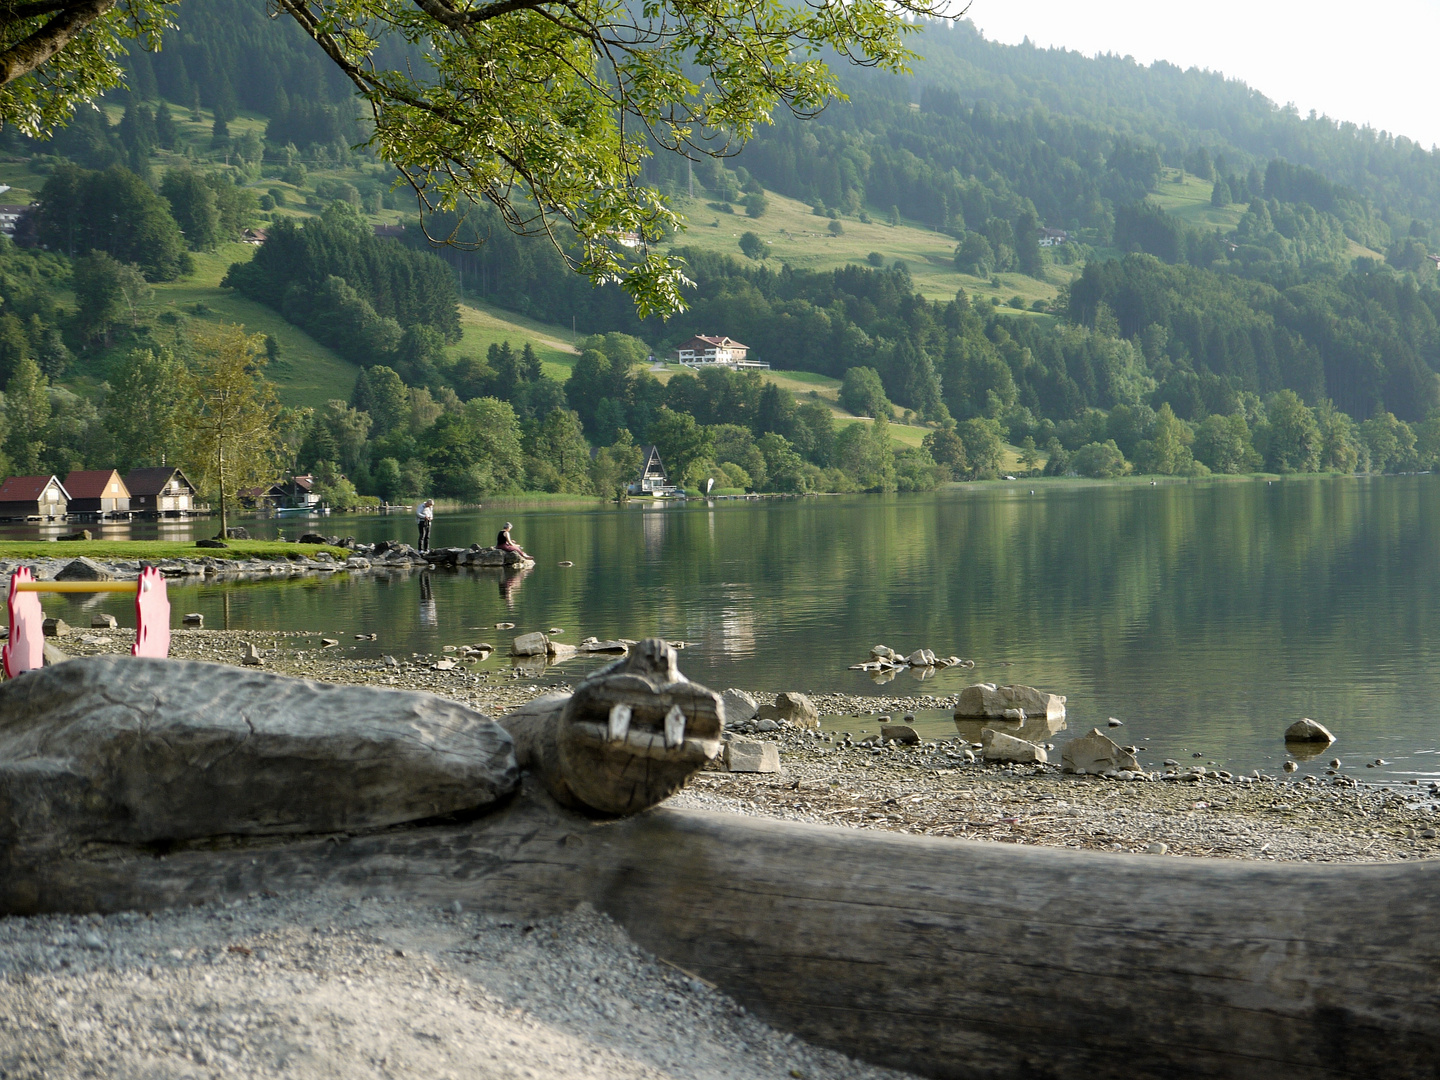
1036 729
510 582
1207 616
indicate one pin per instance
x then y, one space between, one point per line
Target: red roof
26 488
95 484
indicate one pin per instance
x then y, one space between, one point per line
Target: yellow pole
77 586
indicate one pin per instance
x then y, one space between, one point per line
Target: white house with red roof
26 498
705 351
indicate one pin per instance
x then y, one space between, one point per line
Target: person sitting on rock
504 543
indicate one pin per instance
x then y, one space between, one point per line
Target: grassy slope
796 236
306 372
157 549
1189 201
484 325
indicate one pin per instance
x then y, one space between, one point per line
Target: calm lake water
1207 616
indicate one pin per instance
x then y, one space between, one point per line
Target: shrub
1099 461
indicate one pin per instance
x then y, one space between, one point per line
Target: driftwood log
951 958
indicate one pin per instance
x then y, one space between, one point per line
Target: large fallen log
951 958
947 957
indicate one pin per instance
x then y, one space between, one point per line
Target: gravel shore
1307 816
324 986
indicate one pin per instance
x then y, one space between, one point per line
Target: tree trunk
955 959
952 958
224 530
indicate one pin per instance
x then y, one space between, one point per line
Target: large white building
704 351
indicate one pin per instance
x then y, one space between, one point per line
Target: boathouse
27 498
264 497
652 479
164 491
100 492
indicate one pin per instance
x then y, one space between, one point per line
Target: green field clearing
1189 201
484 325
797 237
305 373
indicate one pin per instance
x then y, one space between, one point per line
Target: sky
1369 63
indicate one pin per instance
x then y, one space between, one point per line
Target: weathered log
628 738
952 958
122 750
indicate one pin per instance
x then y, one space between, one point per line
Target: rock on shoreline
1304 817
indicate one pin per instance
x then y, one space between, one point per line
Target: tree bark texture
30 53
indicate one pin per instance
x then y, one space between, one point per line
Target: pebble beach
324 985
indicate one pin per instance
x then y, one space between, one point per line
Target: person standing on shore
423 518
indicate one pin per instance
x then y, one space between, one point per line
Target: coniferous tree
166 133
193 205
530 367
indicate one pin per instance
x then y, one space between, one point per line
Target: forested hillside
1123 267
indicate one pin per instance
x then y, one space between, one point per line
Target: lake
1205 615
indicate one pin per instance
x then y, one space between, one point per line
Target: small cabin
27 498
164 491
300 492
265 497
652 479
98 491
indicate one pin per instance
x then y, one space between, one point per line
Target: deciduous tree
143 409
545 109
230 424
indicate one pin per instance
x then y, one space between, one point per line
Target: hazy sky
1369 62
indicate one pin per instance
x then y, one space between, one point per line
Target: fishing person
424 517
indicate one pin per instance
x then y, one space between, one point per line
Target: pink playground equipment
25 650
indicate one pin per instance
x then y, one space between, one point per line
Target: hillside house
1053 237
163 491
30 498
705 351
98 492
651 479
